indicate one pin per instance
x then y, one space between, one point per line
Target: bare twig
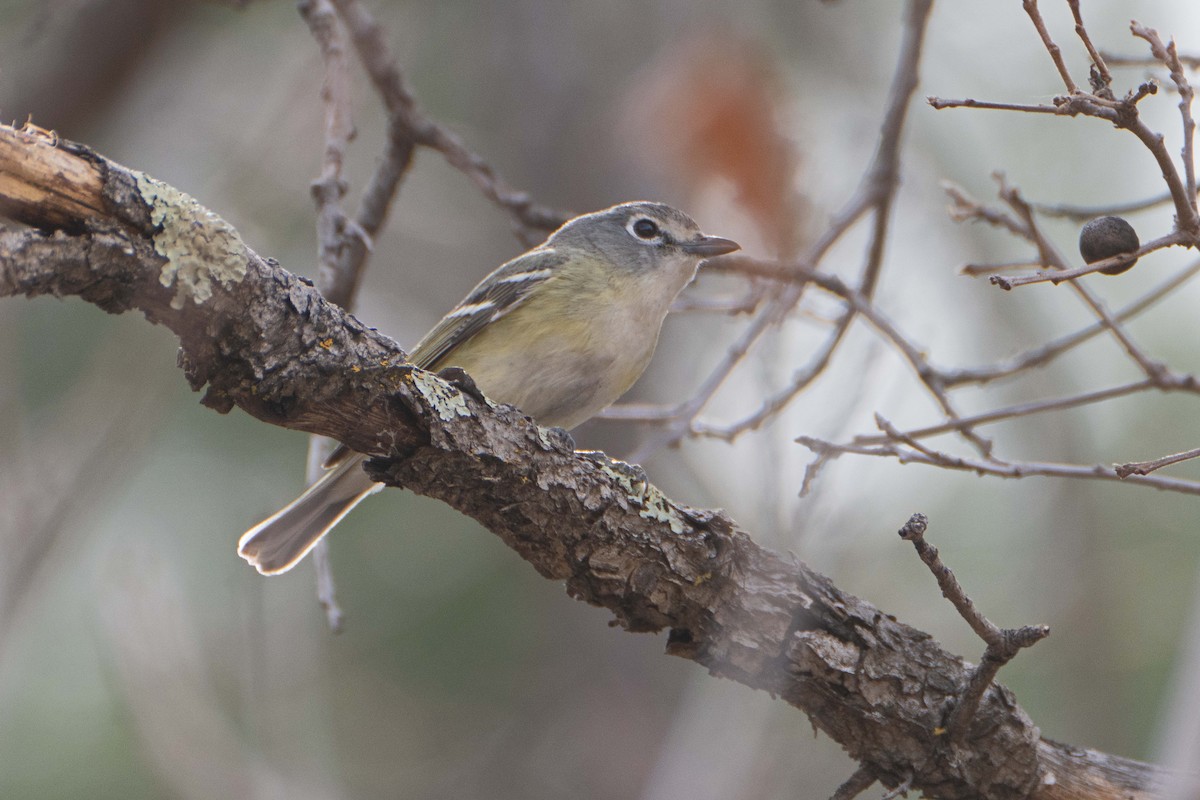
1008 282
1169 56
319 448
1039 356
900 791
976 270
991 466
948 378
371 46
942 103
857 303
966 208
1122 113
343 246
1031 8
1024 224
1146 467
338 274
1117 60
856 784
1102 78
1013 412
885 168
409 127
1084 213
1002 644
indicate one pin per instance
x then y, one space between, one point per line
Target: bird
560 332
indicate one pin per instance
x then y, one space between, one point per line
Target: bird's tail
277 543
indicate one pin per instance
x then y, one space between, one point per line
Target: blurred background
141 658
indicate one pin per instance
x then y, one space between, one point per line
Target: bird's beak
709 246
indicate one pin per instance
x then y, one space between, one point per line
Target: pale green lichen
201 249
657 507
544 439
443 398
654 504
629 479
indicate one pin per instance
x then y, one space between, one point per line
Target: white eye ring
644 229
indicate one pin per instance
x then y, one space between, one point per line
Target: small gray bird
560 332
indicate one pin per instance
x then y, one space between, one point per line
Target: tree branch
260 339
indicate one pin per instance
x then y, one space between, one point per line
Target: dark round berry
1105 237
645 228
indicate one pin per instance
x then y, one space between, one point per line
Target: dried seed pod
1105 237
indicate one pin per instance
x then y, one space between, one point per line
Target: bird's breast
563 360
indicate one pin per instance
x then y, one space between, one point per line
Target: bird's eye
645 229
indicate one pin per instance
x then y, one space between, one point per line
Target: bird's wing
495 296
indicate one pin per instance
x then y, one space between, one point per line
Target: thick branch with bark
263 340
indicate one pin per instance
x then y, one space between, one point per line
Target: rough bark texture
261 339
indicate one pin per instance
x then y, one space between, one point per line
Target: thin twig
1122 113
976 270
337 275
856 784
966 208
1031 8
994 466
857 303
900 791
942 103
885 168
342 251
1084 213
1146 467
1117 60
408 128
1009 282
1039 356
1002 644
1169 56
1102 77
373 52
1050 256
319 448
1013 412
